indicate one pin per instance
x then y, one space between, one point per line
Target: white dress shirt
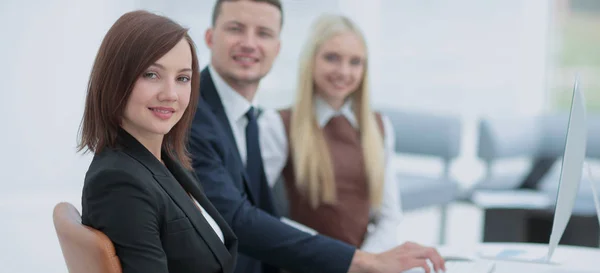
236 106
211 221
382 235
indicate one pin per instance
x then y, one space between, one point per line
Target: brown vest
348 219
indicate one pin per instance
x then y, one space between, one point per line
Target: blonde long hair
312 162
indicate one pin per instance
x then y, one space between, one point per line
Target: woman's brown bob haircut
133 43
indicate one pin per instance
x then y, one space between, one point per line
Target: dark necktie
254 164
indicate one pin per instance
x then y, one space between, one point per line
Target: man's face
244 41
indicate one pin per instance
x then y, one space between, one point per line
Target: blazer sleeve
118 205
260 235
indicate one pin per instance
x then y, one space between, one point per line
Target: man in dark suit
244 41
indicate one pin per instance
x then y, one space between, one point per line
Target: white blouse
210 221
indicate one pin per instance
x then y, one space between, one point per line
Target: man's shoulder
205 122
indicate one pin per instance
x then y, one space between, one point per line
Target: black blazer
264 240
143 207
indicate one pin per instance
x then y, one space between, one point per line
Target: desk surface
565 259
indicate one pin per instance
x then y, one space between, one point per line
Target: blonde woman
331 148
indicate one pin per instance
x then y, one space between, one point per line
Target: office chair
86 250
542 140
434 136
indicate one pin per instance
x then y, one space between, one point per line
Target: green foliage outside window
579 52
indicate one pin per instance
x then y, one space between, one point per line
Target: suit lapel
175 183
189 184
209 93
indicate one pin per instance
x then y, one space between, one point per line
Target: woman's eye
331 57
355 61
150 75
184 79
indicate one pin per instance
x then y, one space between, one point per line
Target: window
576 42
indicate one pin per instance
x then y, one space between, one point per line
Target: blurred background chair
85 249
431 136
541 140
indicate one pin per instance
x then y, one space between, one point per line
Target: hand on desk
406 256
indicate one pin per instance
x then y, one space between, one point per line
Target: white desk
565 259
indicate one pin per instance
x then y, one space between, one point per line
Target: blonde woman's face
339 67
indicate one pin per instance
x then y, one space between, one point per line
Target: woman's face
339 67
160 95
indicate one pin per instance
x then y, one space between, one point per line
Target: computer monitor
571 169
568 184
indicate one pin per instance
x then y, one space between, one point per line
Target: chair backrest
426 134
501 138
86 250
533 137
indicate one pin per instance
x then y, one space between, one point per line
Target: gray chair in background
541 139
427 135
536 138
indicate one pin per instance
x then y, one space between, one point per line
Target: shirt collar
324 112
236 105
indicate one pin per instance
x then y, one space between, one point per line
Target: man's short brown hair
132 44
219 3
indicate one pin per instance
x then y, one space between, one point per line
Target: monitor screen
571 169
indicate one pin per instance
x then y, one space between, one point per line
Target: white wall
464 52
47 49
50 46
